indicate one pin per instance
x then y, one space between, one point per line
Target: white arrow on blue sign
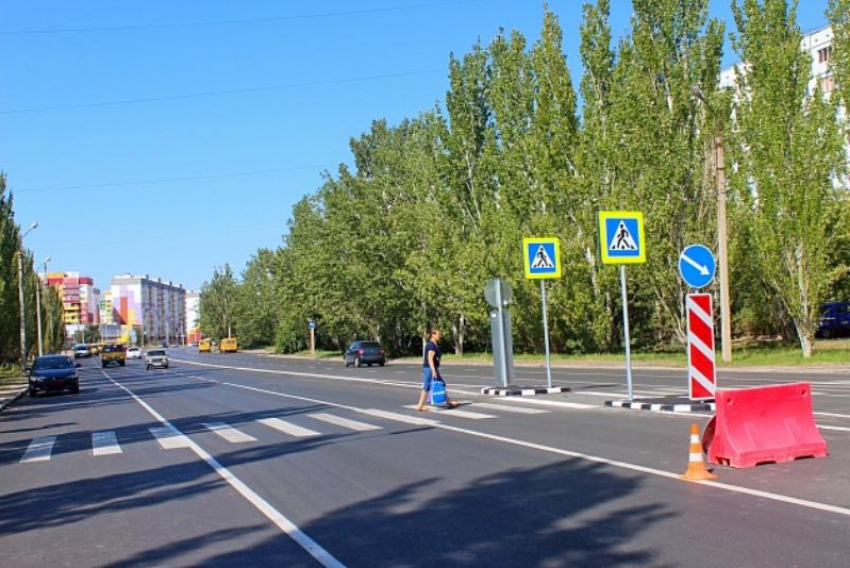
697 266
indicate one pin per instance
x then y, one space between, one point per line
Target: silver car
156 358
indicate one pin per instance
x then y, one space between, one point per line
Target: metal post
38 314
22 315
722 252
626 330
546 332
49 326
312 341
503 360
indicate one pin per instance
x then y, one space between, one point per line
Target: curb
6 402
517 391
662 407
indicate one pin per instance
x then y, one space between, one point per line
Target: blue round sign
697 266
312 325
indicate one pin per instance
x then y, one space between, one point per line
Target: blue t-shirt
437 354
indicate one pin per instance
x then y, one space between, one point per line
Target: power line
184 96
320 15
168 180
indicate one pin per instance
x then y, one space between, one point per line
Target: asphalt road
253 460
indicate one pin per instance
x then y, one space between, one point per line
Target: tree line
438 204
53 330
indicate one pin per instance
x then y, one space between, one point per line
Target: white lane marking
229 433
104 444
39 449
321 555
454 412
673 476
831 414
344 422
557 403
391 415
506 408
288 427
169 437
836 428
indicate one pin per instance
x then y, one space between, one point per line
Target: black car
362 353
52 373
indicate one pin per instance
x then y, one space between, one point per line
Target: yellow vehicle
227 345
204 346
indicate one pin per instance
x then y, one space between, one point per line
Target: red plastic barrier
763 425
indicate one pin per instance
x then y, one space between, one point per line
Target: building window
825 54
827 84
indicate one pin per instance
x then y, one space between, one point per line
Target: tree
218 304
788 152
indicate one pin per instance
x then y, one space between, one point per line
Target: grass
744 354
11 374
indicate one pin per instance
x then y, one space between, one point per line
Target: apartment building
80 299
151 309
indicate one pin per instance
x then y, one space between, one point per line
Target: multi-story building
153 310
80 299
193 316
819 46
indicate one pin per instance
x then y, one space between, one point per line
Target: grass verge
9 375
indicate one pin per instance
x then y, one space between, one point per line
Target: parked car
156 358
134 353
362 353
81 350
834 320
53 372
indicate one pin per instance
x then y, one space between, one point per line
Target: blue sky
174 186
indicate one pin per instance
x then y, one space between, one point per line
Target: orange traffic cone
696 465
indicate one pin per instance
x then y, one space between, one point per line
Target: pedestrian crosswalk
270 429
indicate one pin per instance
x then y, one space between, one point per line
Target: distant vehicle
834 320
53 372
81 350
362 353
113 354
134 353
164 345
227 345
94 348
204 346
156 358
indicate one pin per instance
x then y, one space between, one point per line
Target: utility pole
38 305
21 296
722 243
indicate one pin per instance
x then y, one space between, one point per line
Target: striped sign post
702 376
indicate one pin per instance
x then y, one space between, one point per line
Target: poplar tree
788 153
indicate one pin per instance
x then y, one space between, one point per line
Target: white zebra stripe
104 443
39 449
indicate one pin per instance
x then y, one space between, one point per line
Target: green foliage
438 204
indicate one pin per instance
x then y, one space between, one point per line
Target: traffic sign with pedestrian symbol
542 258
621 237
697 266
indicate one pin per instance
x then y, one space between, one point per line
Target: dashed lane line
286 526
672 476
39 449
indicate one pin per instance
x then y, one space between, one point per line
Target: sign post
543 262
697 267
621 241
498 294
312 325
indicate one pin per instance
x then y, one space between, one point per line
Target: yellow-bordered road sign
542 257
621 237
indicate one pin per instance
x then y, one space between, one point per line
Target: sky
169 138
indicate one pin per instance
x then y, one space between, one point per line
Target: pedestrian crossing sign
542 258
621 237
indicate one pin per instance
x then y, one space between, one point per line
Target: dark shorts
427 378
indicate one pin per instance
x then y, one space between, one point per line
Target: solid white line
288 427
832 414
507 408
454 412
283 523
549 449
344 422
837 428
229 433
104 443
39 449
557 403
